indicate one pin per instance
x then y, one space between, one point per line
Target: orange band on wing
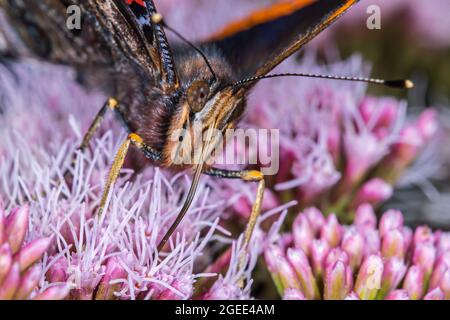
261 16
341 10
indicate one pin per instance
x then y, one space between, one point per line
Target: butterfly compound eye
197 95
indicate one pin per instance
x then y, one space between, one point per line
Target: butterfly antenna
402 84
158 18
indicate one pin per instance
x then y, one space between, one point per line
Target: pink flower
374 192
20 263
395 270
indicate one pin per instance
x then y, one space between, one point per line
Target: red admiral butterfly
158 89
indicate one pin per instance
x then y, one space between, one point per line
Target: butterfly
158 89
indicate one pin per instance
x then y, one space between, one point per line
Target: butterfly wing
258 43
138 14
117 35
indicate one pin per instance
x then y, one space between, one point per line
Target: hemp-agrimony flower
20 261
399 265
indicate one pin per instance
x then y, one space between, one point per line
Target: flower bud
391 220
374 192
10 283
113 271
435 294
293 294
315 218
183 285
334 142
5 261
414 282
407 237
352 296
16 227
2 223
338 281
286 240
332 231
368 281
282 273
393 245
353 245
398 295
407 150
441 266
427 124
336 254
372 239
443 243
365 217
319 252
393 273
423 234
362 152
223 290
303 233
379 113
32 253
444 284
28 282
53 293
302 268
424 256
57 271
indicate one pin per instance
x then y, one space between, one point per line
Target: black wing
258 43
138 14
114 34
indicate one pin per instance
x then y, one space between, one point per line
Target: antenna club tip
402 84
157 18
409 84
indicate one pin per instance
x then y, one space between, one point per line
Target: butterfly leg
132 139
111 104
245 175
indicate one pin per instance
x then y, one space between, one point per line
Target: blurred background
413 40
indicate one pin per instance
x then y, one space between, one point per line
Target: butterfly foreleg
110 104
251 176
132 139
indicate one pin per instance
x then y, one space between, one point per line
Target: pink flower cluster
338 148
322 259
20 261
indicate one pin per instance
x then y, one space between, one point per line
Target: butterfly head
208 103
